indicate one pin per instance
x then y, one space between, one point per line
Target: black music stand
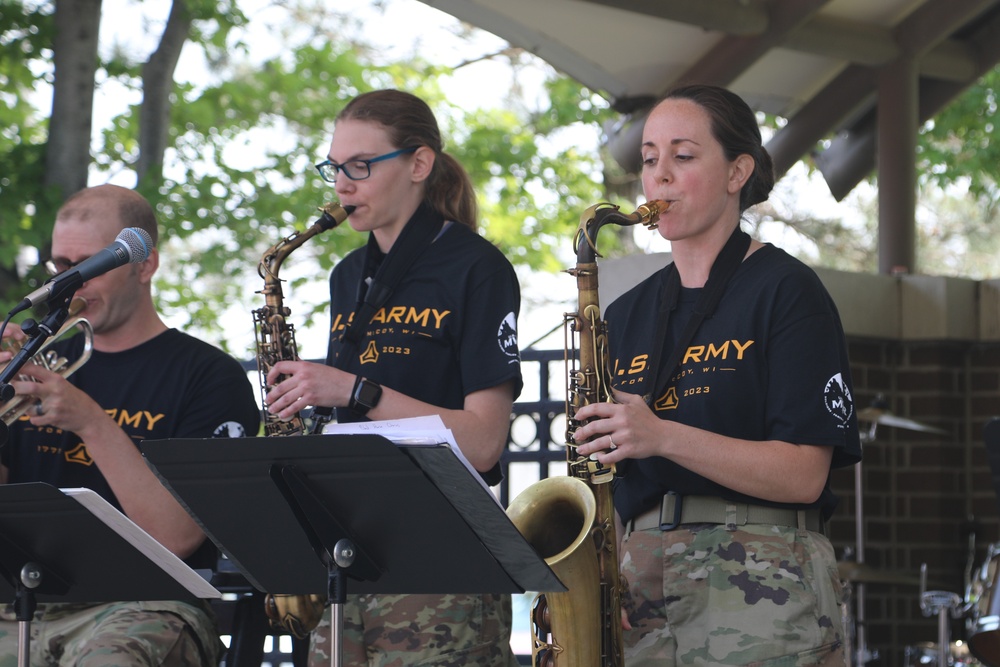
56 547
414 518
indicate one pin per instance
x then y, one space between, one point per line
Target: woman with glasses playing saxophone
440 339
739 354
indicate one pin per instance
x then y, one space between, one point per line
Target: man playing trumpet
144 381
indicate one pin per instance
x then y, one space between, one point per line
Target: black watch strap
365 395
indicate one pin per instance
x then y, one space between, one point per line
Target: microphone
132 246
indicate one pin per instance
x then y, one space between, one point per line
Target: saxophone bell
556 517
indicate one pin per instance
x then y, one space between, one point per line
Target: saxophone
297 614
569 520
275 335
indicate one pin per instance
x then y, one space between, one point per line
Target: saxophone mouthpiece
333 214
649 213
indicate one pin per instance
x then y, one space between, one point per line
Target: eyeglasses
54 267
356 170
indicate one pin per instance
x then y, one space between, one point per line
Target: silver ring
39 410
613 445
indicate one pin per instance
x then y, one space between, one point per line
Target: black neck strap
419 232
375 290
377 284
725 265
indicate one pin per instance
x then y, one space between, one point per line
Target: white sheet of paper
410 432
143 542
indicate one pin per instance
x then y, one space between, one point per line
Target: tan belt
675 510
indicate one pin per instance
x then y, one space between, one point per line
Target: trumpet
46 357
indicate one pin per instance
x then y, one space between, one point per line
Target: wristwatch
365 395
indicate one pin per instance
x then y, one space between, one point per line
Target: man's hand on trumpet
56 401
13 339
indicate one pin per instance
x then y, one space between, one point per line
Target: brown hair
734 126
133 209
410 122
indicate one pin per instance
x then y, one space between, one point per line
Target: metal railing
531 455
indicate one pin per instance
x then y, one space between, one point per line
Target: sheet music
143 542
426 431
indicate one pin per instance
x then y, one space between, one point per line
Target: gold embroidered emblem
668 401
370 355
79 455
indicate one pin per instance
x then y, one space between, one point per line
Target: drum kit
980 604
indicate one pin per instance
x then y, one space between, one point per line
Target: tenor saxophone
297 614
569 520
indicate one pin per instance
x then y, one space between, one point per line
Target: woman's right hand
305 383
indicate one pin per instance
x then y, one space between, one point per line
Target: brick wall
923 494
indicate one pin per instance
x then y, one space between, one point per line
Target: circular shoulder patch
838 400
229 430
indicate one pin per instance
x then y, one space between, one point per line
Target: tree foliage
958 165
229 166
237 167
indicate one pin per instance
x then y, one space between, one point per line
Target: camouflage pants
420 631
759 595
119 634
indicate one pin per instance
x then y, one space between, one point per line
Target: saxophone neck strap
725 265
379 279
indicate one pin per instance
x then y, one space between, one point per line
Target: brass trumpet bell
49 359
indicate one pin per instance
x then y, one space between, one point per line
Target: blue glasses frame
356 170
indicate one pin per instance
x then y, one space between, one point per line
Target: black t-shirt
770 364
448 329
172 386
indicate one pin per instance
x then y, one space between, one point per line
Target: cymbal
885 417
862 573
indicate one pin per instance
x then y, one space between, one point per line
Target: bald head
103 205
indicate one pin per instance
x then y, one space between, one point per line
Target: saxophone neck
332 214
605 213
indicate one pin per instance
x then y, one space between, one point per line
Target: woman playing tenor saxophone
740 352
423 321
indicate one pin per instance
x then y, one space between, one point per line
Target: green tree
222 211
227 159
958 154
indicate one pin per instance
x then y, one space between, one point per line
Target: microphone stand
38 333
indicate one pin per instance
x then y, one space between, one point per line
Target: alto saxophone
297 614
570 520
275 334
